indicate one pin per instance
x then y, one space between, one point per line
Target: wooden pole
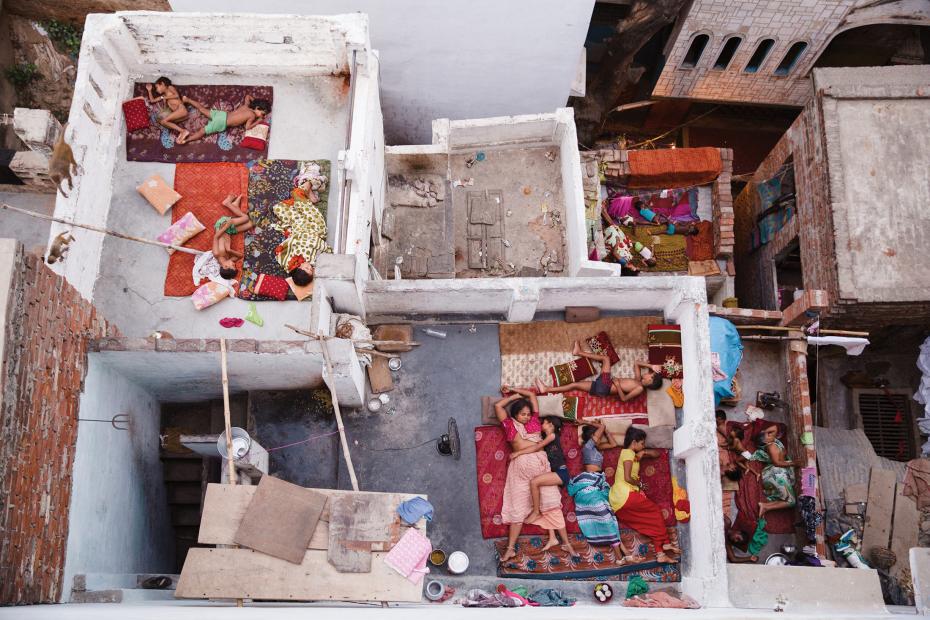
227 420
112 233
355 340
339 425
778 328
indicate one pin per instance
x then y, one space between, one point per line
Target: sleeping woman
778 473
303 225
591 491
518 413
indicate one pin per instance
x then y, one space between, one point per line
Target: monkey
56 253
61 166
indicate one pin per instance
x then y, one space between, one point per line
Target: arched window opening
791 58
693 57
759 56
727 52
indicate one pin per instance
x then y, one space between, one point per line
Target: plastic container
458 562
434 590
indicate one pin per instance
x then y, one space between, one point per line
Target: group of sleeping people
538 468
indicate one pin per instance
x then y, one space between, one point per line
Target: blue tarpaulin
725 341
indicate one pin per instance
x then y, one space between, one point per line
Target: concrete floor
30 231
309 122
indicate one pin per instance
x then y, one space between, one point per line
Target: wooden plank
280 519
356 524
224 506
877 530
379 376
905 529
243 573
856 493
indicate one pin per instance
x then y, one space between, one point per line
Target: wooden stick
112 233
227 420
770 338
359 340
339 425
373 352
778 328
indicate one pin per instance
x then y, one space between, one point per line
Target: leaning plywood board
878 511
243 573
906 525
225 504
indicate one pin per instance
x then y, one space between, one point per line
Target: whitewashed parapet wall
118 49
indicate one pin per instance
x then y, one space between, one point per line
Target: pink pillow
182 230
208 294
159 194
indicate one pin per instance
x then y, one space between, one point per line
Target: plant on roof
22 75
64 35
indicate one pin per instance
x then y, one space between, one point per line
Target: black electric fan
448 444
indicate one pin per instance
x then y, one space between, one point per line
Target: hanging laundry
853 346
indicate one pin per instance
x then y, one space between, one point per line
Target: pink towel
408 557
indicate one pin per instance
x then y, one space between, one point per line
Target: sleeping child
174 109
249 113
627 388
224 228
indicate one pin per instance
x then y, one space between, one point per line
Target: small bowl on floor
375 404
603 592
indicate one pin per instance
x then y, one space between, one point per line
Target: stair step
184 493
183 470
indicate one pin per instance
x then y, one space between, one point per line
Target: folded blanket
658 168
408 556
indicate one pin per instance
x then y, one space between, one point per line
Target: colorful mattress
750 492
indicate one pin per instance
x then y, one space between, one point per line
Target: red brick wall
47 331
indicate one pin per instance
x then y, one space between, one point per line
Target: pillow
570 407
569 372
656 436
159 194
300 292
256 138
182 230
665 349
136 113
271 286
550 404
601 345
208 294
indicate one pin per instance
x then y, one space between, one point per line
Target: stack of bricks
48 328
617 163
724 236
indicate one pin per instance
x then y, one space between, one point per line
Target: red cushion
601 345
256 138
136 113
570 372
272 286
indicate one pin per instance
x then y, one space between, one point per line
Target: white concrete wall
119 520
456 58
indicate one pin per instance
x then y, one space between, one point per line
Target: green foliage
64 35
22 75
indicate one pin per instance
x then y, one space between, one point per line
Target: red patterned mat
492 459
203 188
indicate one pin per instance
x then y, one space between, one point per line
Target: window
886 420
693 57
726 53
759 56
791 58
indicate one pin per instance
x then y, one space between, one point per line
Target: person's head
587 432
652 380
767 436
301 276
261 107
521 410
162 84
650 262
228 273
635 439
721 417
552 425
737 537
227 266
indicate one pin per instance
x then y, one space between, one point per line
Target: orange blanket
203 188
662 168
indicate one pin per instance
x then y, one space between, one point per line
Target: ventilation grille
877 410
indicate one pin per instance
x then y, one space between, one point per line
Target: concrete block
920 573
38 129
806 590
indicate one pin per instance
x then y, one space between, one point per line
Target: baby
249 113
168 94
224 228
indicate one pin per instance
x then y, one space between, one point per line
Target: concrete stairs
119 588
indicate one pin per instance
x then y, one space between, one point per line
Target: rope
297 443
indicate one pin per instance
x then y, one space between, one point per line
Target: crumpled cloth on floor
414 509
408 556
231 321
759 538
809 515
662 599
853 346
917 482
482 598
636 586
547 597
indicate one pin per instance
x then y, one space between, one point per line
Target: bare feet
185 99
506 389
567 547
532 516
540 387
509 554
182 137
232 201
661 558
576 350
672 548
763 508
553 542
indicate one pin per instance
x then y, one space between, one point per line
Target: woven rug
670 251
270 182
203 187
492 458
659 168
588 562
156 143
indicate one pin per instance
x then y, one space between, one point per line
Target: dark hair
720 414
228 273
587 432
163 80
656 382
735 475
759 438
651 262
556 422
626 271
261 104
301 277
633 434
517 406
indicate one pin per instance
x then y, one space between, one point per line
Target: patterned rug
270 182
588 562
156 143
203 187
492 457
668 250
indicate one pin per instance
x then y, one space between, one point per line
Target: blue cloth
768 192
592 508
590 455
548 597
725 341
693 201
413 509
